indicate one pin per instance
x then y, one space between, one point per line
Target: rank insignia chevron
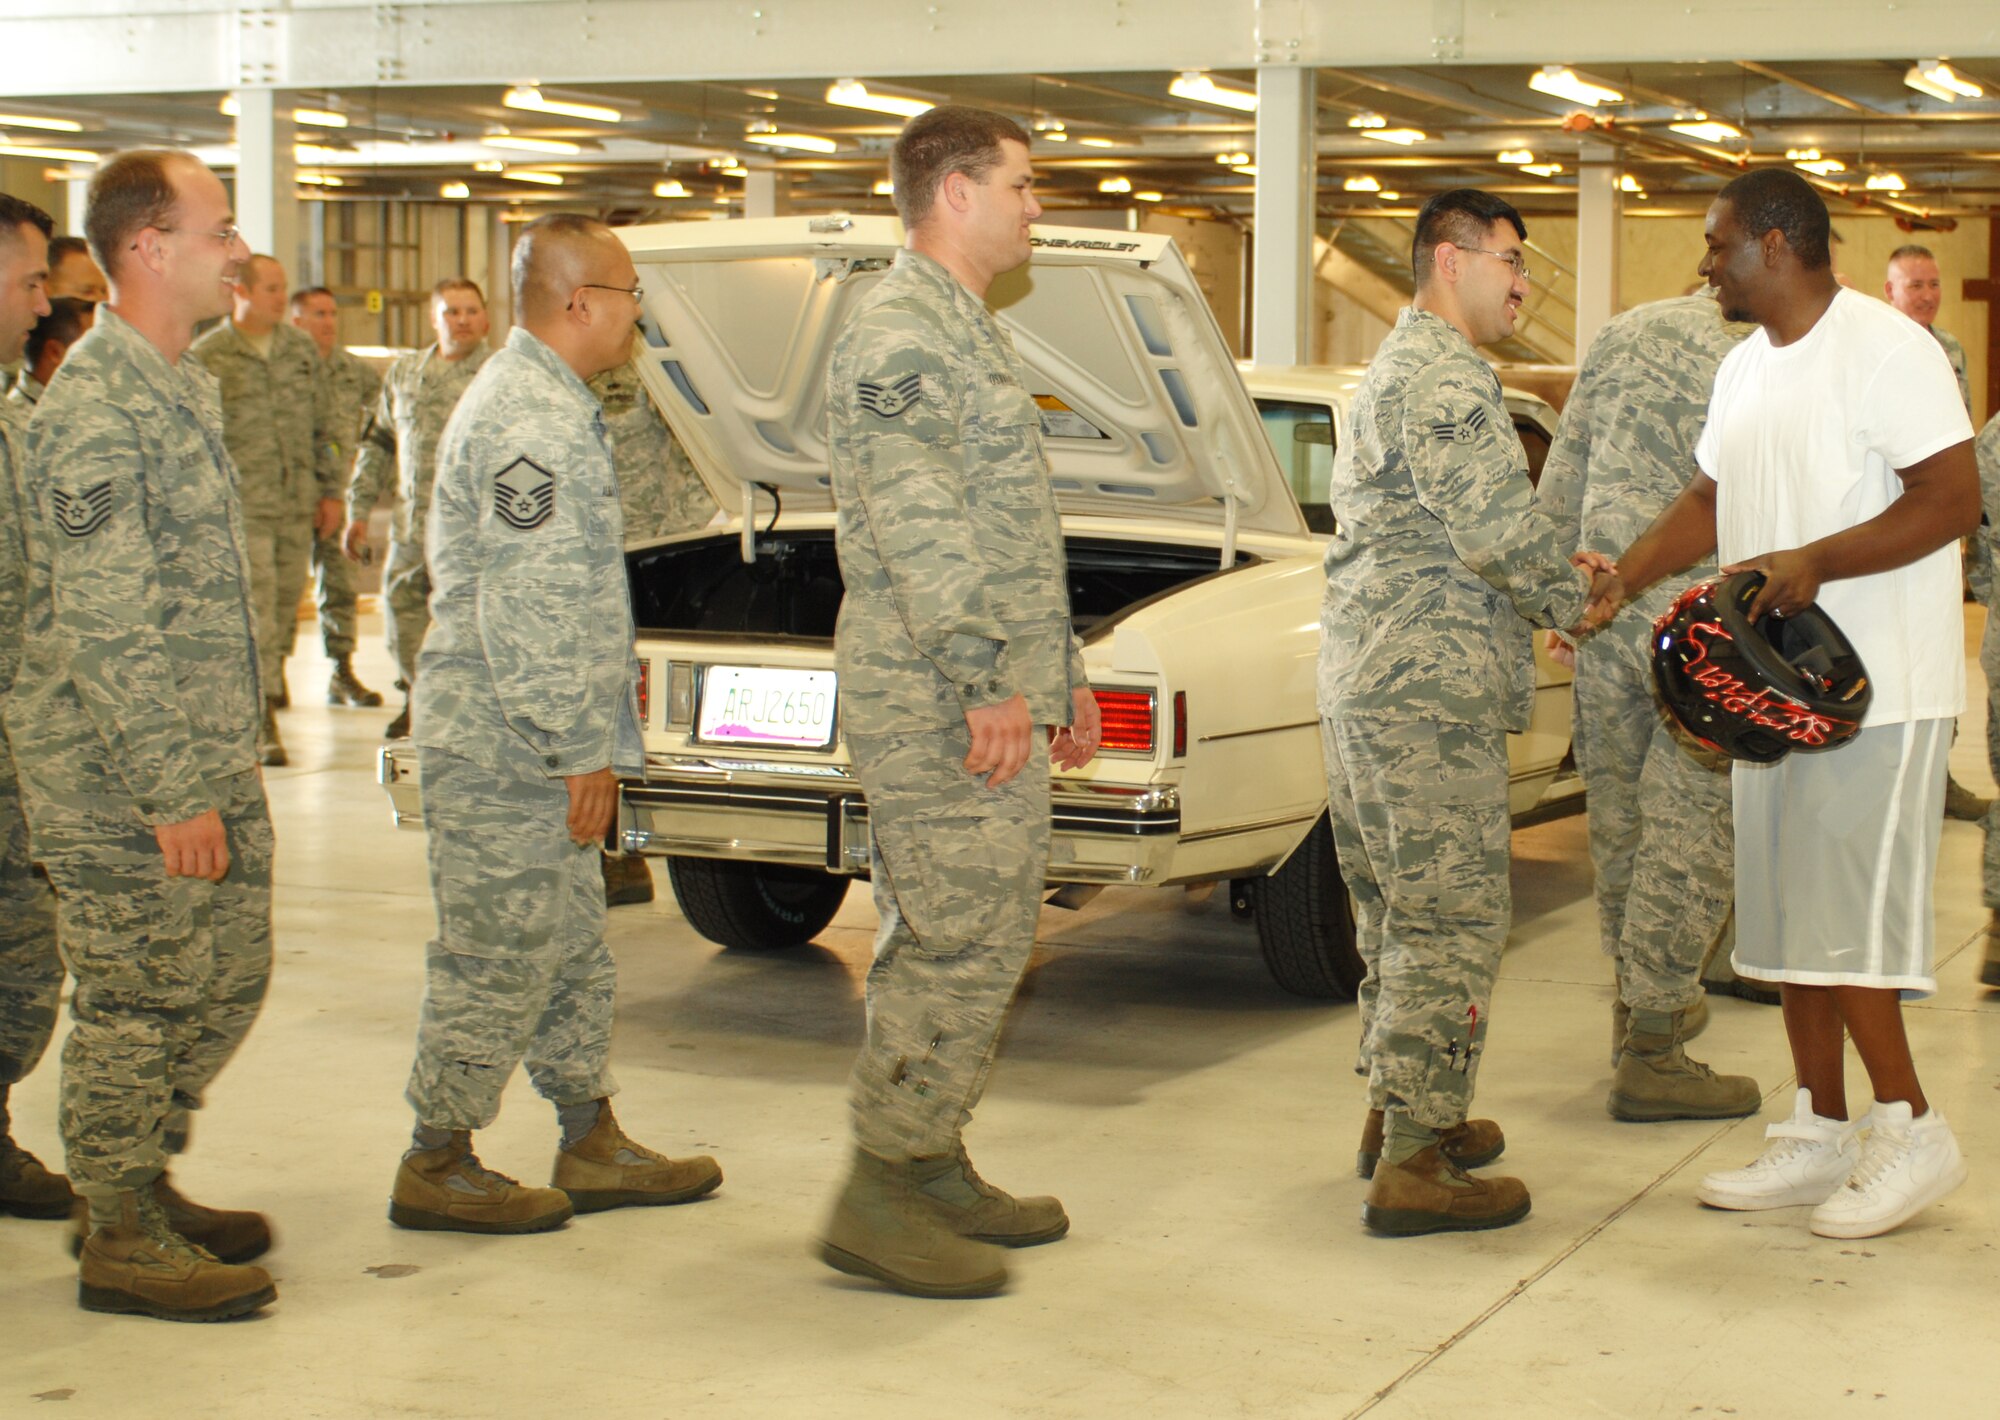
890 400
81 514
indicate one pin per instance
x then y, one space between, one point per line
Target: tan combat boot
1989 974
229 1234
1428 1193
627 880
606 1169
447 1189
1471 1144
143 1267
27 1189
984 1213
883 1227
1655 1079
1695 1021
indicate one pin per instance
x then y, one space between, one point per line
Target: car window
1537 443
1303 435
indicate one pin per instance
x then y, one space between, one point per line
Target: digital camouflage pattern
952 554
354 387
1441 563
530 665
399 450
1420 824
24 392
170 975
658 489
278 422
949 542
30 969
138 678
527 678
1955 353
958 871
1661 839
1985 547
137 703
519 972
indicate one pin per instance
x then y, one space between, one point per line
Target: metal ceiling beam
1825 95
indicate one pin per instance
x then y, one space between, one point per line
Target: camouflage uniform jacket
1986 542
13 537
658 489
23 394
529 665
950 545
354 387
277 418
1441 562
138 676
1955 353
400 444
1626 446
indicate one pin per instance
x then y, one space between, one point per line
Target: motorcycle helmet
1757 690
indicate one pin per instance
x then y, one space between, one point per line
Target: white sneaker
1905 1166
1806 1161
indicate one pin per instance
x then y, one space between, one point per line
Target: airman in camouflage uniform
353 387
1440 565
956 612
1660 834
30 969
526 709
1985 553
133 718
278 421
658 489
399 451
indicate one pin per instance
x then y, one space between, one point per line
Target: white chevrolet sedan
1194 581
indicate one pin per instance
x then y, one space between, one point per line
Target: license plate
762 705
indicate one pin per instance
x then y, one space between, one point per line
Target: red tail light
1128 720
645 691
1180 724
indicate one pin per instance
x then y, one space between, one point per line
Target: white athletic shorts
1836 854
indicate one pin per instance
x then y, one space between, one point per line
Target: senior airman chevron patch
81 514
890 400
1459 431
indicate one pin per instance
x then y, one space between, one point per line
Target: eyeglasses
225 235
1512 258
636 292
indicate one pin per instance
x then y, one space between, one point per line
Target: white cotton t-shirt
1804 440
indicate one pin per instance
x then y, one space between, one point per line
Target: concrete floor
1198 1123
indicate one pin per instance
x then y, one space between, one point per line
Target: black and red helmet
1757 690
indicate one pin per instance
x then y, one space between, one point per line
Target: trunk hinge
1230 503
749 535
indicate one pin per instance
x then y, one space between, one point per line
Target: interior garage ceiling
408 142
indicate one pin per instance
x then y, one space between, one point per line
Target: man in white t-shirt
1837 461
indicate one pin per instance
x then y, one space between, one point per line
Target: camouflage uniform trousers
406 604
1419 812
519 970
334 596
1661 838
31 970
170 974
280 550
1989 662
959 870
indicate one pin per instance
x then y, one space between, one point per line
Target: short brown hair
1911 251
129 192
939 142
307 293
457 283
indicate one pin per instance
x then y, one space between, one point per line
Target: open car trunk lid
1143 415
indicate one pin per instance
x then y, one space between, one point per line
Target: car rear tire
758 907
1305 924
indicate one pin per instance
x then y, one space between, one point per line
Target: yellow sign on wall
374 303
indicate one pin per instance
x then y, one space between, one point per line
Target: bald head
575 290
557 255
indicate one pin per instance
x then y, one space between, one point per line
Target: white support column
1287 205
266 208
76 201
1600 208
766 193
